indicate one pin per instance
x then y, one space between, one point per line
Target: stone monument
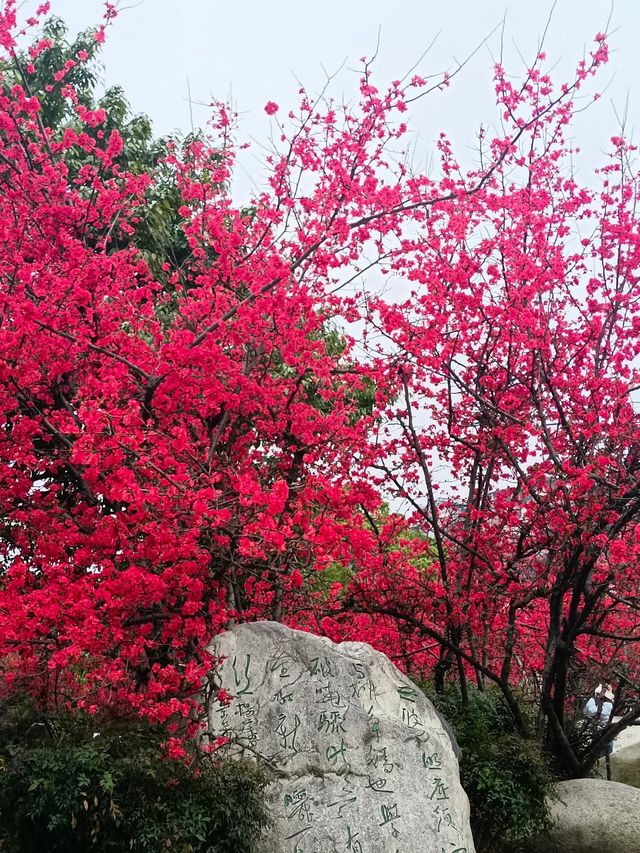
361 762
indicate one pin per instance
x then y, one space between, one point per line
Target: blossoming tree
194 445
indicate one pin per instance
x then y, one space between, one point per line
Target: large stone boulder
625 765
361 760
592 816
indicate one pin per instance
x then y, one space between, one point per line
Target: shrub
65 788
504 775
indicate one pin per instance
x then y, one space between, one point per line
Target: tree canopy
187 440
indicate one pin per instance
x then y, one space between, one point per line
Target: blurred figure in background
599 709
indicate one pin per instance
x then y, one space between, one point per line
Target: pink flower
271 108
175 749
297 580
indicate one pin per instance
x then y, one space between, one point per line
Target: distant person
598 710
600 706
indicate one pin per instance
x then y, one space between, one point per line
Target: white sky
254 51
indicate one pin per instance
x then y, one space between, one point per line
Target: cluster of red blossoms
179 453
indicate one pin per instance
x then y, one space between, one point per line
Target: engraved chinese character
378 758
298 835
379 786
247 734
242 677
410 718
359 671
365 688
298 806
283 696
346 797
374 722
336 755
288 731
439 790
389 814
442 815
321 666
432 762
281 665
407 694
331 722
284 666
352 841
328 695
225 723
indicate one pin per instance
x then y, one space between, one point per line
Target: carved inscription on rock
362 760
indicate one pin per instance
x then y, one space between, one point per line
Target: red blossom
184 452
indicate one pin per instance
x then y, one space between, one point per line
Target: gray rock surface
361 760
593 816
627 737
625 765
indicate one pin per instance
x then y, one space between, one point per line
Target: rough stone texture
592 816
627 737
362 761
625 765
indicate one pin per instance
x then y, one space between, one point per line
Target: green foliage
334 573
55 110
159 234
64 788
321 395
503 774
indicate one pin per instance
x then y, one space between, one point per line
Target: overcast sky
255 52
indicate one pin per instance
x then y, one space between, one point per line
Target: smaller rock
627 737
625 765
592 816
